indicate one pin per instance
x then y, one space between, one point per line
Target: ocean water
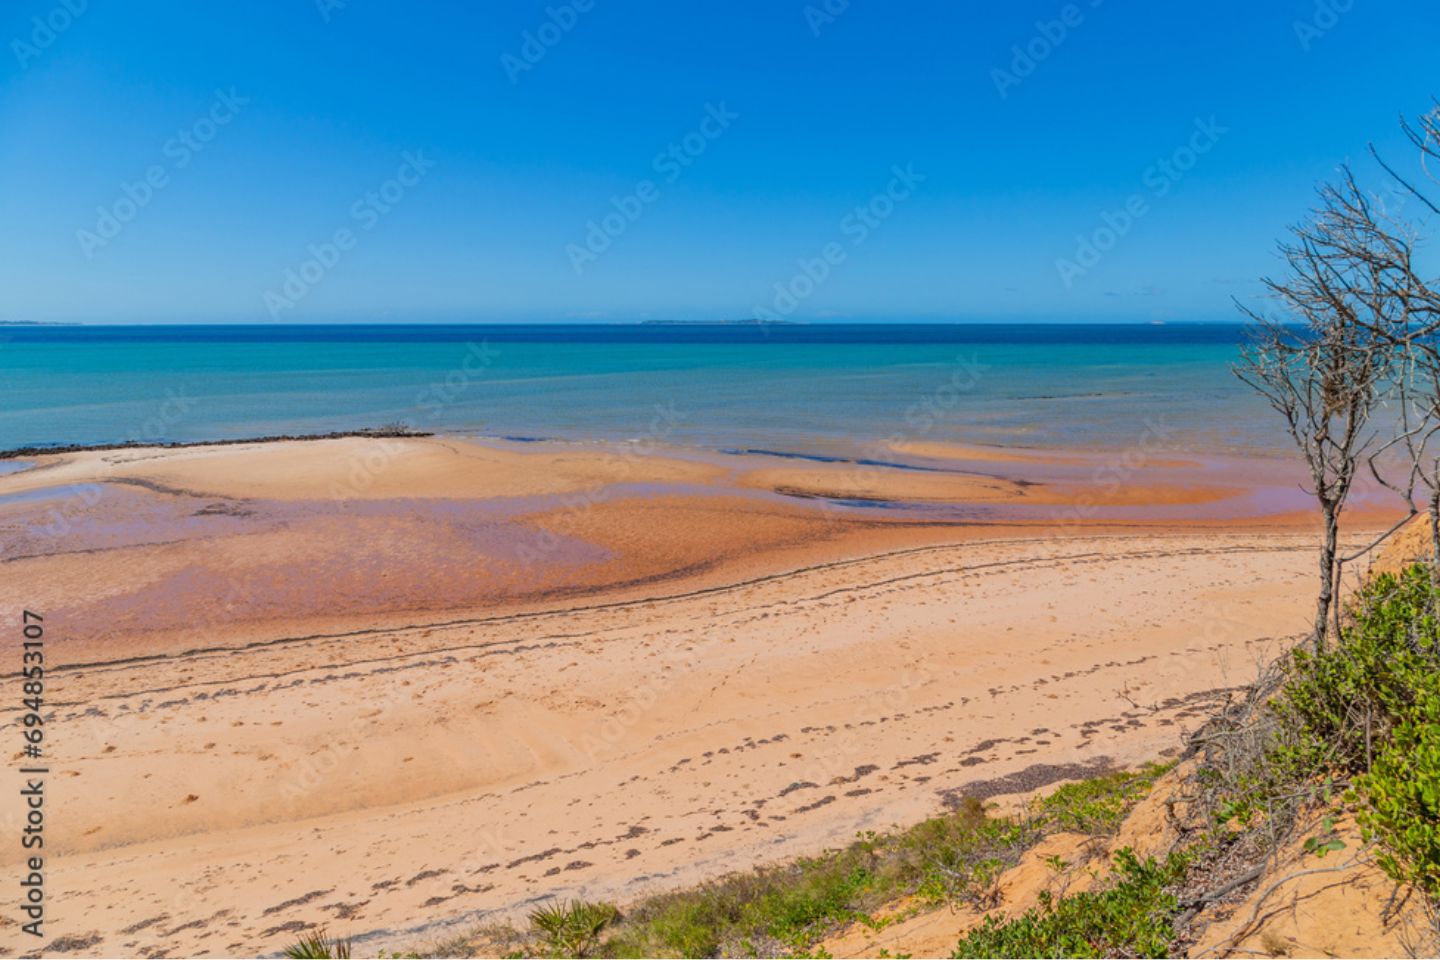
802 388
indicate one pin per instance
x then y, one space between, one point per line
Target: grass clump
571 928
1357 722
1369 713
1098 805
319 946
1130 918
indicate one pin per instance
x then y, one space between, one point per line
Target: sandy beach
609 480
398 687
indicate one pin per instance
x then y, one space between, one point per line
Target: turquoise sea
813 388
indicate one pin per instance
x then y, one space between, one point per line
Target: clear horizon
901 321
333 162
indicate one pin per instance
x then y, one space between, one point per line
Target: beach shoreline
408 526
691 672
16 453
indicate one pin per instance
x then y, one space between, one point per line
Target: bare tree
1415 321
1324 372
1365 335
1424 134
1410 459
1364 260
1364 248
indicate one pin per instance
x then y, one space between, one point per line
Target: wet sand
474 675
147 551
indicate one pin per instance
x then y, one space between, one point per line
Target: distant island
750 322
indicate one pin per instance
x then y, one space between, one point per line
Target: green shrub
1365 711
1400 799
1344 700
1333 710
1131 918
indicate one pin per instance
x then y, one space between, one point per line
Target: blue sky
369 160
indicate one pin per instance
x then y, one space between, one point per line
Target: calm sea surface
805 388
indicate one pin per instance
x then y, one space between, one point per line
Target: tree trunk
1328 551
1336 607
1435 538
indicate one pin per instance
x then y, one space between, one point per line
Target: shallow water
86 492
818 389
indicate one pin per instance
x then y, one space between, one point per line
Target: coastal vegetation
1349 731
788 910
1129 918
